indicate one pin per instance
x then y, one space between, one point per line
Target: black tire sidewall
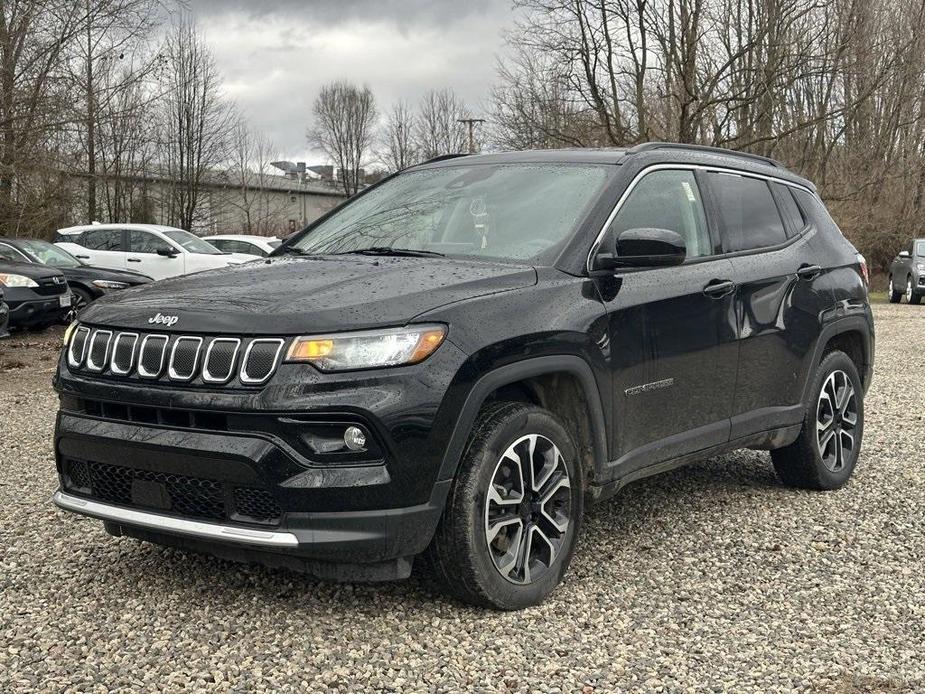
482 461
835 361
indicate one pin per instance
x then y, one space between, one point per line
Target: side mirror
645 247
904 254
167 252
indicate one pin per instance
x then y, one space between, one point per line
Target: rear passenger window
667 200
747 211
103 240
793 217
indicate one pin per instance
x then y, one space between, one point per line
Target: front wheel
511 521
826 451
911 296
894 294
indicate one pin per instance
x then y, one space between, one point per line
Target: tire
895 295
911 296
483 570
821 463
82 299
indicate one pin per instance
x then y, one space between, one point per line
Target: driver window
667 200
144 242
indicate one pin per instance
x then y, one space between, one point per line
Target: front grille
191 497
182 358
51 286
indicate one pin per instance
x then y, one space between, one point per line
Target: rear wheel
826 451
512 518
894 294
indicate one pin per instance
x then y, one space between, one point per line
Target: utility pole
471 123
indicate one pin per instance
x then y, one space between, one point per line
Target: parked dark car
453 363
4 317
37 295
907 274
87 282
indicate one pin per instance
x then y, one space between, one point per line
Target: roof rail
442 157
649 146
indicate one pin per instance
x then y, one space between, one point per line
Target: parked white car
154 250
245 243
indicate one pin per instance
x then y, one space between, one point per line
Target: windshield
920 249
48 253
508 212
191 243
274 244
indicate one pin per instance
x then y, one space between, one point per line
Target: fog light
354 438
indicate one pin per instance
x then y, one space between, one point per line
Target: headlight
69 331
107 284
368 349
921 267
11 280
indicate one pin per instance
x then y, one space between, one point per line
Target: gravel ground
711 578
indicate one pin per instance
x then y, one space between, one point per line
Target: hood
33 271
90 273
287 296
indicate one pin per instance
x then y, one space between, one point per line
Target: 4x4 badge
164 320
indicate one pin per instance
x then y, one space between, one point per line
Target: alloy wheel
527 509
836 421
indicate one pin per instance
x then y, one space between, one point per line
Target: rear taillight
865 275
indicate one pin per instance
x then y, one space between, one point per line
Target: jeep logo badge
163 320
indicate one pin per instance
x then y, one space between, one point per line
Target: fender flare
511 373
839 326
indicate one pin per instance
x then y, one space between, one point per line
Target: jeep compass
449 366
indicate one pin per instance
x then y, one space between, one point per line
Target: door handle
134 260
809 272
82 257
717 289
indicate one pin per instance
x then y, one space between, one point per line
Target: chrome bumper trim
182 526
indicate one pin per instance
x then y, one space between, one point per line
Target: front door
143 256
102 248
672 332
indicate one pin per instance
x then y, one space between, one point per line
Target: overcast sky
275 54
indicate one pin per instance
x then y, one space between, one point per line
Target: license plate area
64 300
150 494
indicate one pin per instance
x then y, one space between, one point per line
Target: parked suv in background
153 250
87 282
450 365
245 243
907 274
37 295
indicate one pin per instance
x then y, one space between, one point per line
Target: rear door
143 255
780 276
102 247
672 331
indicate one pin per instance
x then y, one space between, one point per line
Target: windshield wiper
388 250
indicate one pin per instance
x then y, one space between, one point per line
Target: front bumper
25 314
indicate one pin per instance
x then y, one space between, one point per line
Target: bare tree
438 128
197 122
344 121
33 37
399 148
259 211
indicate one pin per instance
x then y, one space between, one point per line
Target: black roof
649 153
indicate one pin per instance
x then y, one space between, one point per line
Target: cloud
275 56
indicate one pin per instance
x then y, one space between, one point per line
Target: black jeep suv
450 365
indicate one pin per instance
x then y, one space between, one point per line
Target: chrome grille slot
221 355
151 356
260 359
123 354
98 354
184 358
78 349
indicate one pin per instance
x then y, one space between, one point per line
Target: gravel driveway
713 577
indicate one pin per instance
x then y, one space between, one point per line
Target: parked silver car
907 273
